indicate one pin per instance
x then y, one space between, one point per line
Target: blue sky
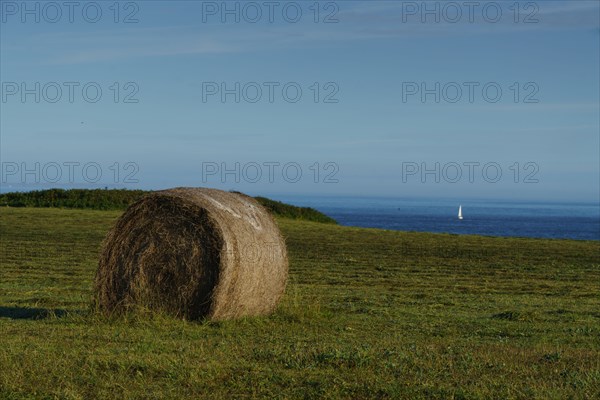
370 134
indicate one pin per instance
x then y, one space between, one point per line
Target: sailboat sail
460 212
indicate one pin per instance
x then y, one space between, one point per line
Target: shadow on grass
30 313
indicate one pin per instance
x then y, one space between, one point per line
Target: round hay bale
193 253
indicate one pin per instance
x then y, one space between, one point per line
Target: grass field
367 314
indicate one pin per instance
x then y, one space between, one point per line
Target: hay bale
193 253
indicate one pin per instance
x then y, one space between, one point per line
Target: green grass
289 211
367 314
120 199
92 199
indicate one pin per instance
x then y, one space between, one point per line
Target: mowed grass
367 314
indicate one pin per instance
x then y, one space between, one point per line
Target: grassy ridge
92 199
120 199
367 314
288 211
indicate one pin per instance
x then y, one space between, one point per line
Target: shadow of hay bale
30 313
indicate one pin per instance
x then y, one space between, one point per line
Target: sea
580 221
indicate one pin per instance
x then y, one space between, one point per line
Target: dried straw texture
194 253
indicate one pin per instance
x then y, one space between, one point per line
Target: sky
498 100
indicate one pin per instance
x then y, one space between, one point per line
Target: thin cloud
394 18
133 43
371 20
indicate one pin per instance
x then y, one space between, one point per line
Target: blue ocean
579 221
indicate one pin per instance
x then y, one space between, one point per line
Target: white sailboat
460 212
